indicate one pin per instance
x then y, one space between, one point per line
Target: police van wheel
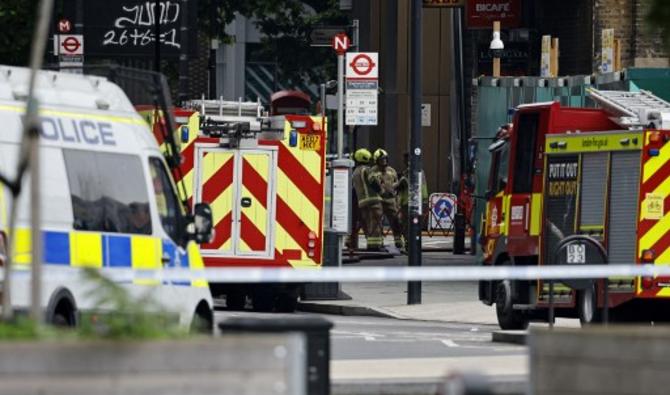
508 318
62 310
203 319
587 307
59 320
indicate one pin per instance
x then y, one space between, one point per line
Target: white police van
108 201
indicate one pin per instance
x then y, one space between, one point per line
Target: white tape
379 274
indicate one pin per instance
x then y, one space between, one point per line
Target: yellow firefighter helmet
362 155
380 153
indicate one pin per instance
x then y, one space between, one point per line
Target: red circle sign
341 43
71 44
362 64
64 26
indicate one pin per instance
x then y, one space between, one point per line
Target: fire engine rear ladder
633 109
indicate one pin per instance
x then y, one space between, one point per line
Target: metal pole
459 229
323 100
340 106
157 34
414 287
606 309
31 135
36 232
551 304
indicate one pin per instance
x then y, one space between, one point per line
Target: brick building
576 23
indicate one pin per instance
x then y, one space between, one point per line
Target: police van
108 202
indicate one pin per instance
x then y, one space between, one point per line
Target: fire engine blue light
184 134
293 138
653 152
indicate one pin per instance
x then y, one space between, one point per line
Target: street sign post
322 36
341 167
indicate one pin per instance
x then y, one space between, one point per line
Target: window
108 192
169 208
502 168
525 153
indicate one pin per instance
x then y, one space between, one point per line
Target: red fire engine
559 171
264 178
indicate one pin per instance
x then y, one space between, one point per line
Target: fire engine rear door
255 202
216 172
239 185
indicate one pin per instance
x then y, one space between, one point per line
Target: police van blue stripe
116 250
169 249
56 248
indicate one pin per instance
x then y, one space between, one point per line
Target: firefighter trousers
391 212
371 218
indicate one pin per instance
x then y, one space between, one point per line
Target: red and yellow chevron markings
217 171
654 210
298 179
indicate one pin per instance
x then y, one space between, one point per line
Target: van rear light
647 282
311 244
654 137
648 256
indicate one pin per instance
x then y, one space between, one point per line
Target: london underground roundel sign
362 65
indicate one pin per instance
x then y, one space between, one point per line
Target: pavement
454 302
441 301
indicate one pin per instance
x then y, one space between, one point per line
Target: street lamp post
414 238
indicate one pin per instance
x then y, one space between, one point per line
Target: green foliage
17 18
119 315
658 17
286 25
22 328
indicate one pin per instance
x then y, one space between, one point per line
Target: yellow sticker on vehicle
310 142
653 206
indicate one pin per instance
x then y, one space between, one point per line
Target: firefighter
403 196
369 201
387 179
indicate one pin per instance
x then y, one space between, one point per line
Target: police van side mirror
202 220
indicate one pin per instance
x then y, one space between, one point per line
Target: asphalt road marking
449 343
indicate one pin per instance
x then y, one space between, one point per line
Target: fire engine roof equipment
634 109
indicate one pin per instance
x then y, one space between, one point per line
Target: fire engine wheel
287 302
508 318
236 301
587 307
263 300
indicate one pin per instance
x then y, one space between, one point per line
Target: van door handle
245 202
165 259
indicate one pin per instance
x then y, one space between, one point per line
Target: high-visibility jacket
388 182
403 188
367 193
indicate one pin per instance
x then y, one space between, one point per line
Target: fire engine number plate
576 253
310 142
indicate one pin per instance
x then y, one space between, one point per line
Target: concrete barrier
228 365
613 360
